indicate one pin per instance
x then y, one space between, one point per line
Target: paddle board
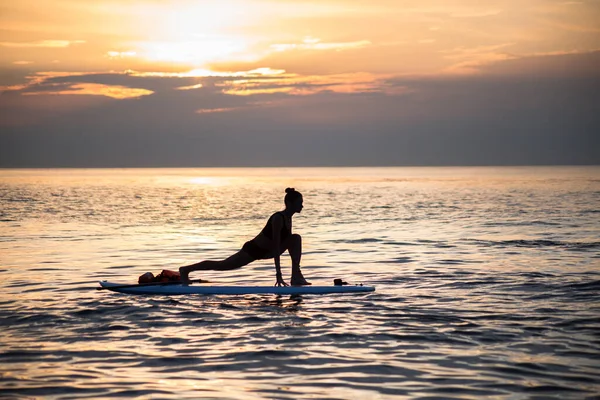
177 288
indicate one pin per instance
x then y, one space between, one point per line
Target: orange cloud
121 54
205 73
294 84
43 43
310 43
471 59
96 89
214 110
198 86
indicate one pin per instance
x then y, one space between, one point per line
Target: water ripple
485 287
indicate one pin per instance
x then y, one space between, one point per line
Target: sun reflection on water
204 180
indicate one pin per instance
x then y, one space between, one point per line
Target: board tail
151 284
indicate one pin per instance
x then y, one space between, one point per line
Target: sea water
488 284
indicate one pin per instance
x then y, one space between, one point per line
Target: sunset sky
286 83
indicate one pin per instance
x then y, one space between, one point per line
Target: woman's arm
277 224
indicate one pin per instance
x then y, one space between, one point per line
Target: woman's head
293 199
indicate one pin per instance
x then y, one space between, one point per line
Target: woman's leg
294 247
235 261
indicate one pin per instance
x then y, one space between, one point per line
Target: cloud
572 27
93 89
294 84
74 83
43 43
259 81
573 65
475 13
310 43
214 110
205 73
121 54
529 110
40 79
485 60
492 59
472 60
191 87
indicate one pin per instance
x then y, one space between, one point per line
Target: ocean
488 284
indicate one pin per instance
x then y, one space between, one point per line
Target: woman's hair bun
291 195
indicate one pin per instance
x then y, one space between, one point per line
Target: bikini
257 252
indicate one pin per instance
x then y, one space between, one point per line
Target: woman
275 238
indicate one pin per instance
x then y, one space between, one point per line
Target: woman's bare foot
298 279
300 282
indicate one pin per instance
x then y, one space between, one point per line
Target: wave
363 240
585 286
537 243
521 223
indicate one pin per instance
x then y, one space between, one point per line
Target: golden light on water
204 180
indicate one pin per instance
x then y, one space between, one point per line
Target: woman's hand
280 281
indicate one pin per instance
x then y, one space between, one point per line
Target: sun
195 34
194 52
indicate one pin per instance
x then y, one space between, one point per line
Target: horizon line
308 166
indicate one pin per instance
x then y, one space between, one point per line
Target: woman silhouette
274 239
